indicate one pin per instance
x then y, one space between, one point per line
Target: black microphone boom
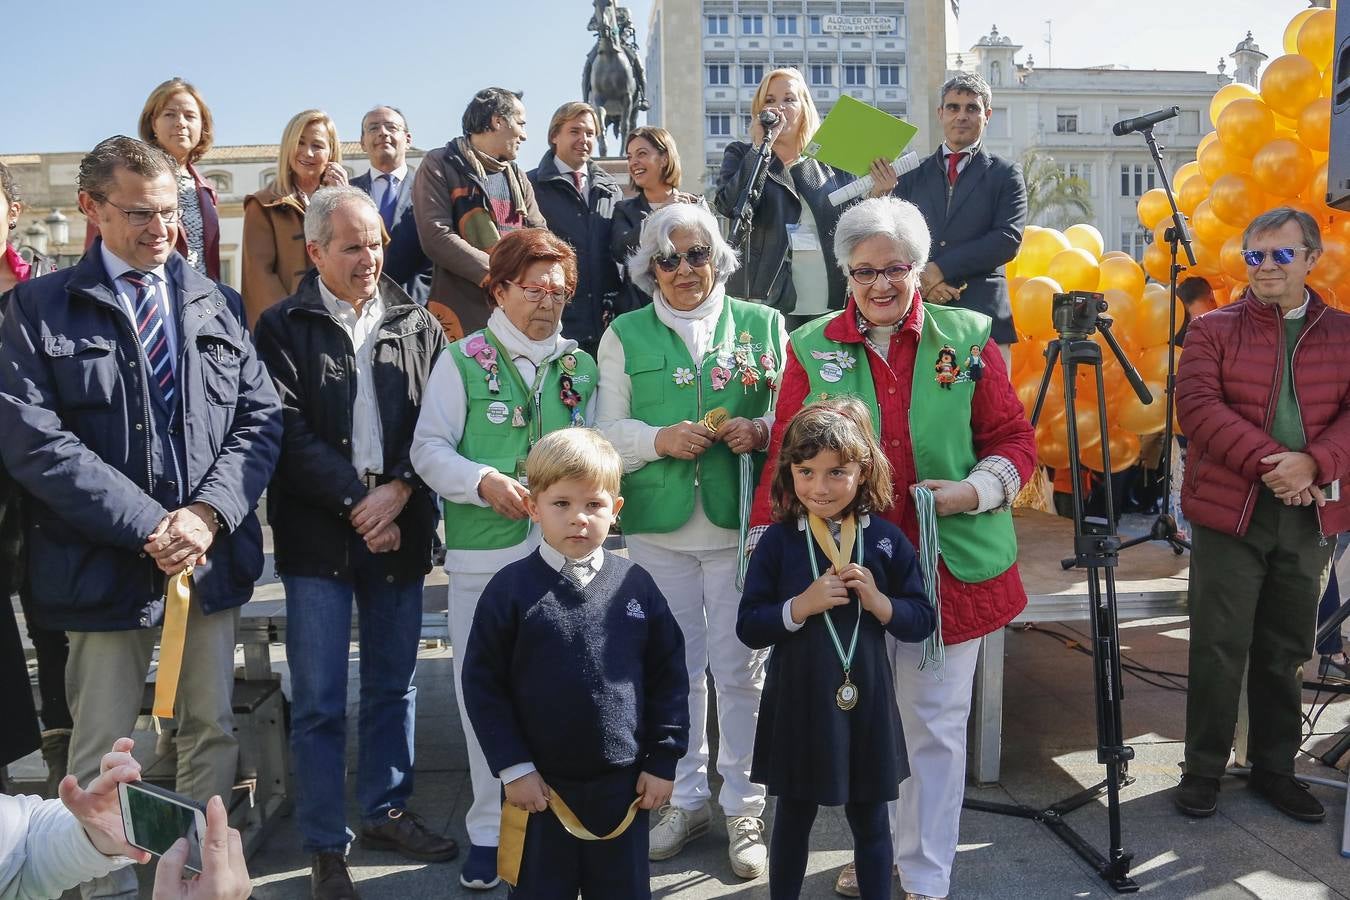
1146 121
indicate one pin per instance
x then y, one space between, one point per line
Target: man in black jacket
350 354
577 199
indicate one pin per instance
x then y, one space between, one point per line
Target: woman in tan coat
309 157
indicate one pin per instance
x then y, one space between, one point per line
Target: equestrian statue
613 81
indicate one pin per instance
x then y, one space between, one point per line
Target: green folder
854 134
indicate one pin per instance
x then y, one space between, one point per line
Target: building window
785 25
1080 170
718 24
888 76
752 74
813 25
1066 121
267 178
1133 238
1190 121
855 75
822 74
745 125
221 181
1136 179
752 24
719 73
719 125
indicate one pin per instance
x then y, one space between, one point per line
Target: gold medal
847 695
715 419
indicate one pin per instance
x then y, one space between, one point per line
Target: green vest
669 387
975 548
500 428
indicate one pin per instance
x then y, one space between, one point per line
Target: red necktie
576 179
954 160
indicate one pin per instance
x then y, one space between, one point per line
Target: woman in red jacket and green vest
692 359
490 398
968 440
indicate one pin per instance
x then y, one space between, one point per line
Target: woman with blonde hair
787 261
308 158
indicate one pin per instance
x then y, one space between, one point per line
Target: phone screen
156 822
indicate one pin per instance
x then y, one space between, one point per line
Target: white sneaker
674 828
745 837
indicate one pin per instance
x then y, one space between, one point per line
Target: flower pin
684 376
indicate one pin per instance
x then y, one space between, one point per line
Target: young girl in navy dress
824 585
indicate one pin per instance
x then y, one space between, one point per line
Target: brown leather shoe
403 831
329 878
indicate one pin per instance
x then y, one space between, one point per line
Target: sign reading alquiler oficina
858 24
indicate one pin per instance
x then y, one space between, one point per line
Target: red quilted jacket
1228 382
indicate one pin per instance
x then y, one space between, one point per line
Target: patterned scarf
472 209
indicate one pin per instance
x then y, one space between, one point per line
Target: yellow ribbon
838 553
511 843
173 637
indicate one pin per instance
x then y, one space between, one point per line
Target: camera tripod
1096 545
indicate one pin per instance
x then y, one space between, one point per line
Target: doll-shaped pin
571 398
947 367
974 364
494 383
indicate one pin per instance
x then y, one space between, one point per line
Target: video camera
1075 314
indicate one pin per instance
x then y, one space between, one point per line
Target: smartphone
154 818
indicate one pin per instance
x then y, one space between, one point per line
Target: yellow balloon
1086 237
1245 126
1184 173
1121 273
1314 125
1236 199
1216 161
1151 322
1157 262
1135 417
1226 95
1032 306
1124 448
1075 269
1231 262
1153 208
1038 248
1316 37
1210 228
1291 30
1121 307
1205 142
1191 193
1283 167
1291 82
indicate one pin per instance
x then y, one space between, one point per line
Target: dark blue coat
974 233
77 438
404 260
586 225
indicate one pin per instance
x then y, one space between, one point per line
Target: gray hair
319 215
1276 219
377 108
98 169
970 83
897 219
655 241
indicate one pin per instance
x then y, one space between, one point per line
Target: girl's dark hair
841 424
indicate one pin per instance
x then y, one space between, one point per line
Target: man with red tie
975 204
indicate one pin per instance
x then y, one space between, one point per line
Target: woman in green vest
689 388
490 398
967 439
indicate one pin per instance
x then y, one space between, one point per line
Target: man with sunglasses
1263 395
143 428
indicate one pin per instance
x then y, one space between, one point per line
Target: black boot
1287 794
1197 796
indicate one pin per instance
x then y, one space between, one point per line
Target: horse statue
612 80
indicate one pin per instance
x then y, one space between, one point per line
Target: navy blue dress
806 747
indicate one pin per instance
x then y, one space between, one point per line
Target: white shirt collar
593 560
565 168
1302 310
339 307
401 173
969 151
863 521
116 267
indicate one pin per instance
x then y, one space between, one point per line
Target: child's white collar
863 521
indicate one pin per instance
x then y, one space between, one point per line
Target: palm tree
1055 199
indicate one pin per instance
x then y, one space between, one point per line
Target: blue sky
257 63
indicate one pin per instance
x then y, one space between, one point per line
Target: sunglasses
1282 255
695 256
866 275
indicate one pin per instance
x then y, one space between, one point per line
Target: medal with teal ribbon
846 697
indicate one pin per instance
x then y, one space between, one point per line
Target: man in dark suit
385 138
975 204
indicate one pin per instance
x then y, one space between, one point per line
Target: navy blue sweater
579 683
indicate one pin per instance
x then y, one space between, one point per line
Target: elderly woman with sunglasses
964 438
687 393
490 398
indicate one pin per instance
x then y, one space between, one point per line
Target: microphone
863 186
770 118
1146 121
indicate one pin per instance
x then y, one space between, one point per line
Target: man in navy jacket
143 429
385 138
975 204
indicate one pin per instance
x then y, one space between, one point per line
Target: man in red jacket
1263 394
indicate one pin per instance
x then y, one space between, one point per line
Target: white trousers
485 812
934 709
701 590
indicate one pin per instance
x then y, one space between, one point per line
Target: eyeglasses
695 256
866 275
139 218
1282 255
536 294
377 127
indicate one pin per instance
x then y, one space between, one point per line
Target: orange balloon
1152 363
1153 208
1056 427
1236 199
1124 448
1053 451
1184 173
1086 237
1245 126
1192 192
1290 42
1160 233
1158 262
1206 259
1209 227
1139 418
1231 262
1205 142
1028 355
1216 161
1316 37
1151 322
1121 307
1315 194
1120 272
1015 282
1032 306
1238 291
1226 95
1038 248
1314 125
1115 254
1283 167
1291 82
1333 266
1074 269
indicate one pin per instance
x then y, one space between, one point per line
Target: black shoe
1197 796
329 878
1287 794
403 831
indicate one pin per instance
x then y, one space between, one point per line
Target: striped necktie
150 330
389 202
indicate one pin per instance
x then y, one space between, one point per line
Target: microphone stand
744 211
1164 527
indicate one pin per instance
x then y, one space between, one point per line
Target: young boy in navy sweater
575 682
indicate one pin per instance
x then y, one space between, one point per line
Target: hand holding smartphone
155 818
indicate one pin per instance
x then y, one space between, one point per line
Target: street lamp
35 236
58 226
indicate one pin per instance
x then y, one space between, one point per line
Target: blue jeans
318 629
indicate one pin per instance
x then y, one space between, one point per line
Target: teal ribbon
934 653
747 496
845 659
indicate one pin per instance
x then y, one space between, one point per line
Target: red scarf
21 269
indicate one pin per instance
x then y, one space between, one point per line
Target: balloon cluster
1269 150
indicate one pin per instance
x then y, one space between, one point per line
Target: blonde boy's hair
581 454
